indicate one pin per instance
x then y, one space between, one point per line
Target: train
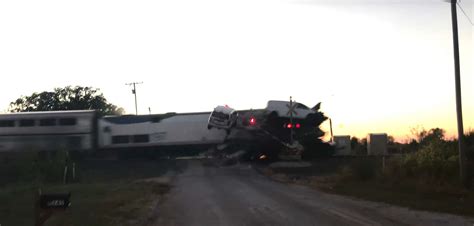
170 134
86 131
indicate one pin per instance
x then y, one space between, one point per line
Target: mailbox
55 201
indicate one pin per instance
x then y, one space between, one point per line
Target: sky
376 65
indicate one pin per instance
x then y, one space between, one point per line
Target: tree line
67 98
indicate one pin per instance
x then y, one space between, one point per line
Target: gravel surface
238 195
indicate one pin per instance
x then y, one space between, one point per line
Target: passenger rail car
44 131
83 131
157 130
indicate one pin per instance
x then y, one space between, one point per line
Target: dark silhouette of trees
67 98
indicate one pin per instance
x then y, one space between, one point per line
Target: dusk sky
376 66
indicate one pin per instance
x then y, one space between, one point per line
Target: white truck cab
282 109
223 117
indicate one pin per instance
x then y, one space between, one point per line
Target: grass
422 197
108 193
329 175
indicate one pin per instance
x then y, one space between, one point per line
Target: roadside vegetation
422 174
104 192
66 98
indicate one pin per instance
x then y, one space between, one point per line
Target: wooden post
65 174
36 206
457 79
40 215
330 126
74 171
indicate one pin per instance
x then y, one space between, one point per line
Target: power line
465 14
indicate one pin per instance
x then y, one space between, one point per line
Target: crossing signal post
291 111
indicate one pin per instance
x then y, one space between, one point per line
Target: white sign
291 108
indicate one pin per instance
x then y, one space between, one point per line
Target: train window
7 123
27 122
67 121
47 122
142 138
120 139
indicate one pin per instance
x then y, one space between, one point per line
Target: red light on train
252 121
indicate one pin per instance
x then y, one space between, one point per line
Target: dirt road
238 195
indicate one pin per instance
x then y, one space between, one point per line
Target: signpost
54 201
48 204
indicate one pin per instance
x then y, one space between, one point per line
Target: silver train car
85 131
157 131
44 131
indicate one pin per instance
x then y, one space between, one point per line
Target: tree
67 98
390 140
354 143
359 146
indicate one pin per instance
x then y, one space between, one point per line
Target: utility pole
457 75
134 91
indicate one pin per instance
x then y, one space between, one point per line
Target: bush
359 146
470 145
393 168
409 165
365 169
435 162
429 161
360 169
314 149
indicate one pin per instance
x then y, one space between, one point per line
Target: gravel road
238 195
